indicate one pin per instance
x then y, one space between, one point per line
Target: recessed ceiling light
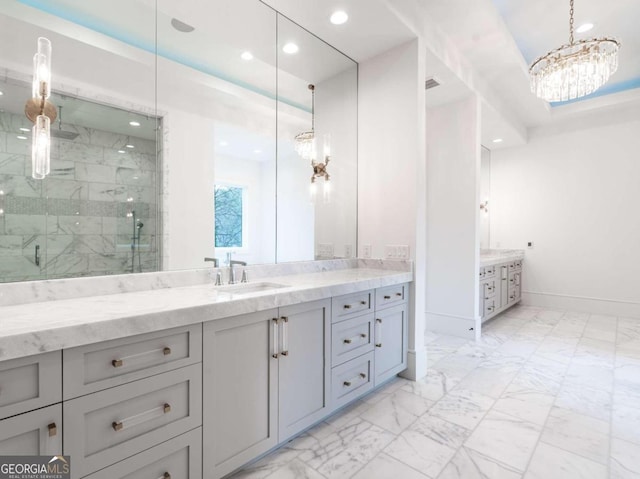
223 143
247 56
498 140
129 146
339 17
24 129
181 26
290 48
257 151
135 177
134 123
1 93
21 137
121 151
585 27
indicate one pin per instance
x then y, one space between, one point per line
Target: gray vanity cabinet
304 371
390 337
500 288
34 433
265 379
240 390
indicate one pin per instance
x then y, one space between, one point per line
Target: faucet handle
245 276
219 278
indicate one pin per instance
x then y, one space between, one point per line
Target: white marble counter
38 327
489 257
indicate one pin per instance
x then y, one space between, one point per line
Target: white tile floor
546 394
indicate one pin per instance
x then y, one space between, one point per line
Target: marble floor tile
295 469
625 460
462 407
550 462
433 386
528 405
625 394
470 464
548 317
505 438
523 312
441 431
488 381
584 400
593 376
396 412
577 433
384 466
625 423
420 452
557 349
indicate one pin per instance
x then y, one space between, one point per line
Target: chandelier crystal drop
576 69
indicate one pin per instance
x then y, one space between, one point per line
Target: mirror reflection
175 139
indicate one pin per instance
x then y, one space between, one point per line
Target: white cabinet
37 433
265 377
500 288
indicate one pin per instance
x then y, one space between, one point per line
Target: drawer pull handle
378 332
398 294
378 345
347 306
53 429
166 475
350 340
285 336
351 381
387 297
141 418
118 363
274 323
363 303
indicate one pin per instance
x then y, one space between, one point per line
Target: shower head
60 133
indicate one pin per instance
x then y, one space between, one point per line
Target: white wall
391 169
453 199
485 195
576 196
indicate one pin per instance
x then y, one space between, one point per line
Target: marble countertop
32 328
489 257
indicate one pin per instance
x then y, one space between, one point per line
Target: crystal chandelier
305 140
576 69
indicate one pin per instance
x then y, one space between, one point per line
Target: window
229 216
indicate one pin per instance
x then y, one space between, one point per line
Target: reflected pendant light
305 141
576 69
40 111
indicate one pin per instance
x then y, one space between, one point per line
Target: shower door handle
37 255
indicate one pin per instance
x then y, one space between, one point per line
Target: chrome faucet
232 271
216 261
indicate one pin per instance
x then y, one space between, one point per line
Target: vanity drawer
351 338
352 379
30 383
488 289
94 367
37 433
349 305
106 427
489 271
178 458
391 295
489 307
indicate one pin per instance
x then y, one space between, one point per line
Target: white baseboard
463 327
416 365
628 309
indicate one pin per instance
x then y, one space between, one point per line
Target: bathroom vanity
500 281
196 381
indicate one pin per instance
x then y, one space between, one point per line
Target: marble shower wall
77 215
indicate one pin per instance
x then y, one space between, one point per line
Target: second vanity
500 281
196 381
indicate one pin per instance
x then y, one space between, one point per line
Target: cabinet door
36 433
240 393
504 285
391 343
304 366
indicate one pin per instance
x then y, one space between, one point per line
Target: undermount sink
247 288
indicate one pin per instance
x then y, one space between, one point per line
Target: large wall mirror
175 139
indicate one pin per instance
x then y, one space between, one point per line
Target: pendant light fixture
305 140
40 111
576 69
